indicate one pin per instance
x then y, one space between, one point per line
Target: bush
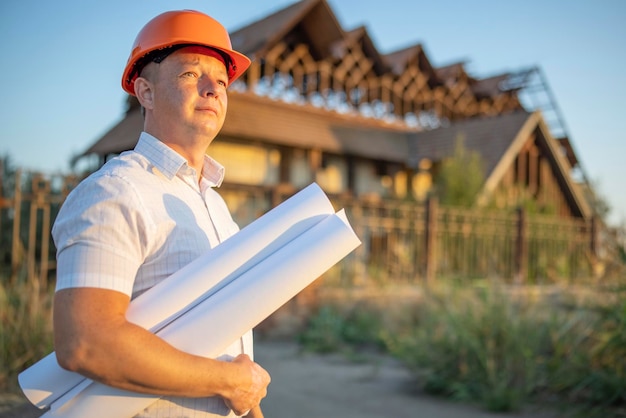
498 346
475 345
330 330
461 176
596 374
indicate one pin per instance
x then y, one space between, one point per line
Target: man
146 214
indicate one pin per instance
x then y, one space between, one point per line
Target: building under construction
320 103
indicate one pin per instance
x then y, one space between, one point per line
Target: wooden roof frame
306 42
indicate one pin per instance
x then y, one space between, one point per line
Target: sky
62 61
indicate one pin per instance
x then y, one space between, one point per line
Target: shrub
460 176
595 374
495 345
474 345
331 330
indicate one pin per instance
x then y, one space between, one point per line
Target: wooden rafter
349 63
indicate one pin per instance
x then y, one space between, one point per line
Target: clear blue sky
62 60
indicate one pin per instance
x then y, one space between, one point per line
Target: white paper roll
46 382
246 301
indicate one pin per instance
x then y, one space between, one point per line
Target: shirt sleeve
100 235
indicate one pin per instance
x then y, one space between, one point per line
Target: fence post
432 207
593 239
363 251
16 253
521 247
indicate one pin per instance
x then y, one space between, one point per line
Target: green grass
498 346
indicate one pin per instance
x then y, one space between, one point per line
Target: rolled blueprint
45 382
262 289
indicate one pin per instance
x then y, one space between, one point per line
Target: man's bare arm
92 337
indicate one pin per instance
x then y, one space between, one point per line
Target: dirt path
314 386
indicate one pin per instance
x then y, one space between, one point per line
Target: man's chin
209 129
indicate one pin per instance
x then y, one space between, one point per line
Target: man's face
190 93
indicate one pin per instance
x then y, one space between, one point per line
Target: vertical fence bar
45 246
593 238
17 220
521 250
31 261
431 239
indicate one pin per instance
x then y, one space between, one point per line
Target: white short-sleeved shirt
136 221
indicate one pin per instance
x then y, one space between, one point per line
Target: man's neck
192 150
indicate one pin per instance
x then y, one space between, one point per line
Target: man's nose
208 87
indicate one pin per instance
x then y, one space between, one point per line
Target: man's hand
248 396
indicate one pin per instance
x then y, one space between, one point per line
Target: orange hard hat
181 27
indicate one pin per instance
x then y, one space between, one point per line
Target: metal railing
403 242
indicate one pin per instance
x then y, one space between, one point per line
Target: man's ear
144 92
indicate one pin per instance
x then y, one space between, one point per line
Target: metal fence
406 242
403 242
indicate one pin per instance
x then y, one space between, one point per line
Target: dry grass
25 328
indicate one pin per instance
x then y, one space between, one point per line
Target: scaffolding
535 95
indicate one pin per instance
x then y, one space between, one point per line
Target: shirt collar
170 163
213 171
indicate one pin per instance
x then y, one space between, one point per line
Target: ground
306 385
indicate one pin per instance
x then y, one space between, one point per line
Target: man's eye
223 83
189 74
